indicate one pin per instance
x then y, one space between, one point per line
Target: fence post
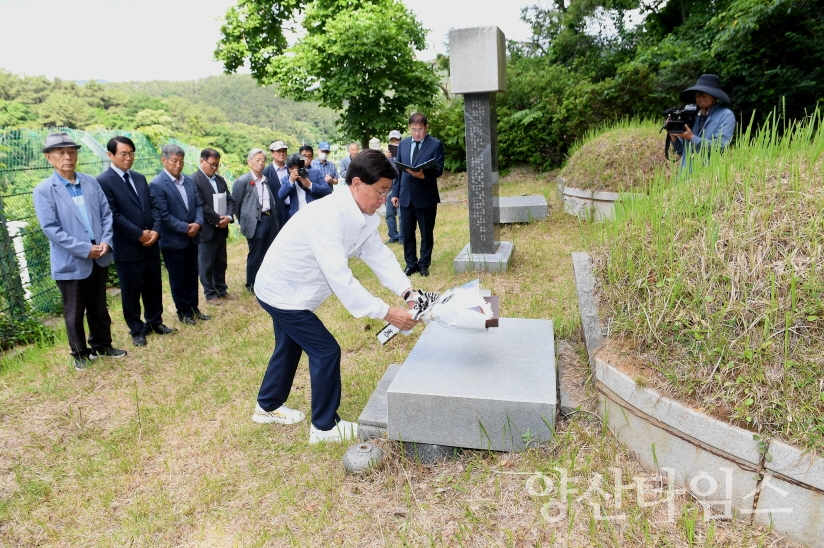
10 271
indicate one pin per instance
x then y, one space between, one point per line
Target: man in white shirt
309 261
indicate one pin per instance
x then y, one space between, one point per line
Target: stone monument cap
477 60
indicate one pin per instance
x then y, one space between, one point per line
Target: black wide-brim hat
708 83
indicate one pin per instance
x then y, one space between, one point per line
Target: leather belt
267 213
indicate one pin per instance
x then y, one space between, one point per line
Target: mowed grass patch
717 281
158 449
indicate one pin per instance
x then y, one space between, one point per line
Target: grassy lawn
158 449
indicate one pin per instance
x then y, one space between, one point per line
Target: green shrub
16 332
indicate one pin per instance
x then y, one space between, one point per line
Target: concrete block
490 390
593 205
719 482
477 60
730 439
585 286
794 512
521 209
796 464
373 418
487 262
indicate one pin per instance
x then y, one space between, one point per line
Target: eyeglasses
126 154
417 129
213 166
380 194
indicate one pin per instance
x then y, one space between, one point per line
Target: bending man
309 261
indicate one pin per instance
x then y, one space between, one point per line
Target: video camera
679 118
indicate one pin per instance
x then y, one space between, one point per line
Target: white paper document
219 203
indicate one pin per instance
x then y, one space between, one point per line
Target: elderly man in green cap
74 214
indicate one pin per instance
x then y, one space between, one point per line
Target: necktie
129 184
415 152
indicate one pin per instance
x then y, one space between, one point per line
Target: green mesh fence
25 274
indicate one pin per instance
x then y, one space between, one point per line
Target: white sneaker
281 415
343 431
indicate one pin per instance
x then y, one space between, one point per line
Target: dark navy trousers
181 264
298 331
392 214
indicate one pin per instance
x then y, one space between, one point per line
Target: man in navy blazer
299 189
136 225
417 194
181 217
75 216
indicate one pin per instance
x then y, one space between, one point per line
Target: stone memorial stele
477 67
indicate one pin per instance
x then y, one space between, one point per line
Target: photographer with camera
301 185
704 121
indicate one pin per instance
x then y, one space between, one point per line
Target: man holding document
218 208
420 162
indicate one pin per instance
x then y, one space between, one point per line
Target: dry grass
620 158
158 449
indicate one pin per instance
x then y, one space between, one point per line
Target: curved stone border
722 465
596 205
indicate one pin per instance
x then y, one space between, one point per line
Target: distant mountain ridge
244 101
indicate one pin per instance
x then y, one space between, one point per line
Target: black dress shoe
161 329
106 352
424 271
139 340
200 315
411 270
188 320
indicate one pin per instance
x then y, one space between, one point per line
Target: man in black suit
417 194
181 217
211 253
136 224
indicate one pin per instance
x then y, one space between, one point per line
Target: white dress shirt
262 191
309 260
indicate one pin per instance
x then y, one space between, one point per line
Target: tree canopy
590 62
356 58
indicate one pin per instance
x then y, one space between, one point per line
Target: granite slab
491 390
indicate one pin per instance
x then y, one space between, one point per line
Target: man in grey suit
256 207
211 253
181 218
75 216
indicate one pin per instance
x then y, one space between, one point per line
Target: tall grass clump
621 157
718 280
